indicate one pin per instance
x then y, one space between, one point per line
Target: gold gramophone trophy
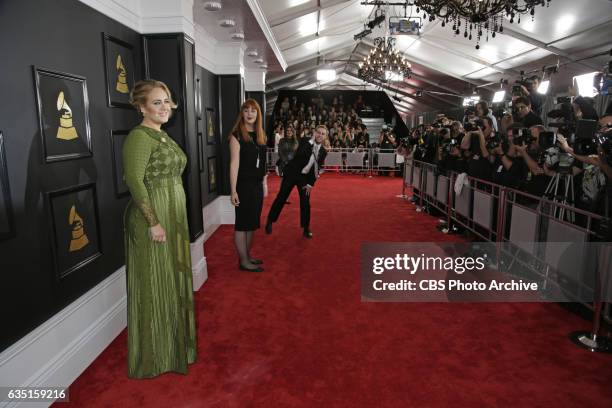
66 130
79 238
122 85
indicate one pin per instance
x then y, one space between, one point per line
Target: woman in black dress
248 180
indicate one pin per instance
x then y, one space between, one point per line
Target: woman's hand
235 200
157 233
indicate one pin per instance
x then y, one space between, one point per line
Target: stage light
499 96
585 84
543 88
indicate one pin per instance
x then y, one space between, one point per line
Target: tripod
567 198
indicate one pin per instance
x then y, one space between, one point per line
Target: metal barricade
525 227
384 160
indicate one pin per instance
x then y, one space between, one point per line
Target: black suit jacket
300 160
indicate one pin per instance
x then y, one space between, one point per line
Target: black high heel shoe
244 268
255 261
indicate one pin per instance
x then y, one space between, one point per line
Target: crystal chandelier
384 61
483 17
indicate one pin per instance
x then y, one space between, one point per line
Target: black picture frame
117 138
7 221
118 62
63 115
75 225
212 174
210 126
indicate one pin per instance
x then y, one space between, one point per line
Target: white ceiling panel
499 48
436 58
564 18
533 55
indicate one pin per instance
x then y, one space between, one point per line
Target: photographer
522 105
584 109
596 172
483 111
449 157
386 140
529 89
475 144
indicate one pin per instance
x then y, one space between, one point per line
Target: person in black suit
302 171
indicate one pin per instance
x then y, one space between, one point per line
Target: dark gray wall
63 35
208 85
171 58
231 97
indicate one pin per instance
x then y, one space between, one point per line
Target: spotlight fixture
238 36
252 53
362 34
212 5
264 66
227 22
258 61
377 20
397 98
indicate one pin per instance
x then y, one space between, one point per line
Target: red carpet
298 334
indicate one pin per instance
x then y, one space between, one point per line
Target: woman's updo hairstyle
142 89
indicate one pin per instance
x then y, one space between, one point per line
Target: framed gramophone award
75 228
63 115
119 70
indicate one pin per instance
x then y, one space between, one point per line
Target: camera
547 140
494 142
522 136
517 90
474 126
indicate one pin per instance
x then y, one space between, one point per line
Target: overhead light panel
252 53
238 36
212 5
499 96
227 22
586 84
326 75
258 61
471 100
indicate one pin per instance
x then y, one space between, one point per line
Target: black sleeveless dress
249 187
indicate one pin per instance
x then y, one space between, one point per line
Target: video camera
474 126
563 116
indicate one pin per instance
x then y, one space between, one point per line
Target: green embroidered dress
161 324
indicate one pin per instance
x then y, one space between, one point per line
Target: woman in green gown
161 323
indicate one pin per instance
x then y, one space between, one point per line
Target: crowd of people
516 150
297 119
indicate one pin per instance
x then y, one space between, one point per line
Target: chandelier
384 62
483 17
